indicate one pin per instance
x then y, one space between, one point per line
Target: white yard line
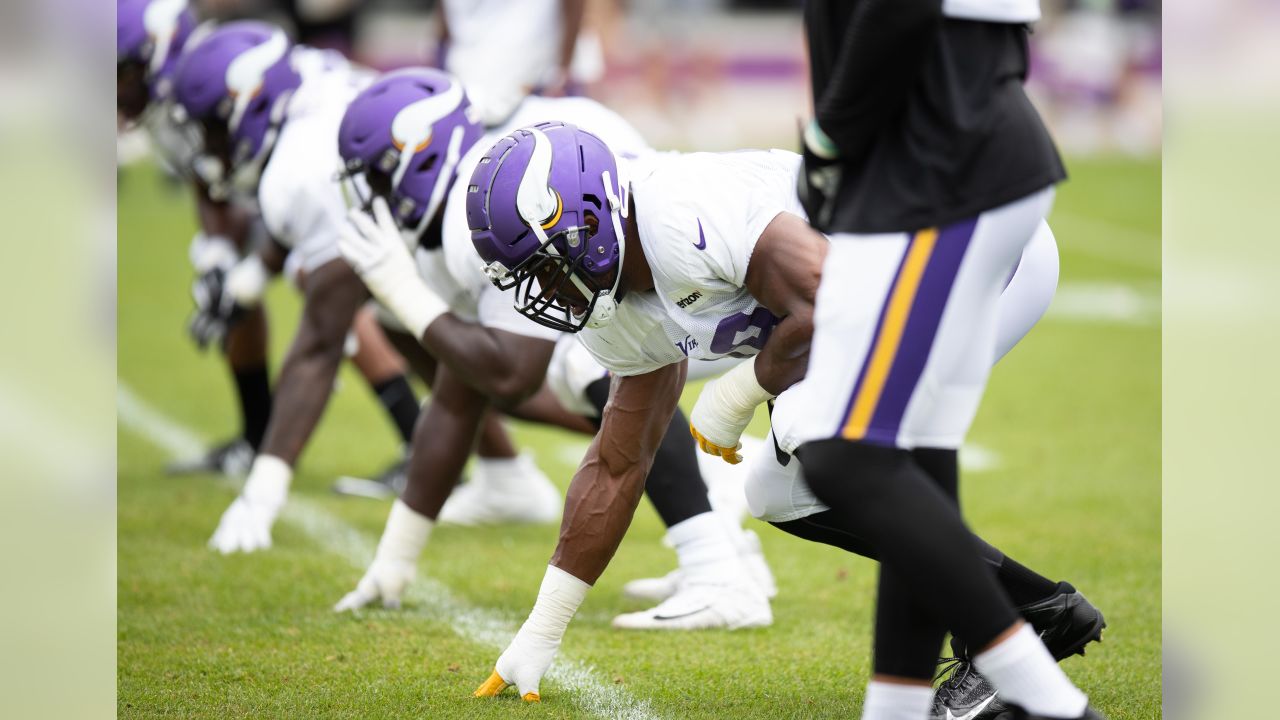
474 624
1106 303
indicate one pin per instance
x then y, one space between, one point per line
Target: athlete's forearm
607 487
442 441
785 356
334 293
301 393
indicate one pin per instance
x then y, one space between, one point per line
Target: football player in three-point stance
409 138
653 262
267 113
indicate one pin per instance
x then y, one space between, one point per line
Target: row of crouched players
489 355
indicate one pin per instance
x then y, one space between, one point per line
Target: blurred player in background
556 58
150 37
409 137
267 112
678 276
151 34
930 170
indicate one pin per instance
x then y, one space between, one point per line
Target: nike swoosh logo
702 239
682 615
972 713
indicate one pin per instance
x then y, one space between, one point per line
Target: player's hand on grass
530 653
522 664
246 525
723 411
385 580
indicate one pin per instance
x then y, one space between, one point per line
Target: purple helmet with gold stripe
405 134
546 208
236 83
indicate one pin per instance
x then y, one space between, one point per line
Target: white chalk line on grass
474 624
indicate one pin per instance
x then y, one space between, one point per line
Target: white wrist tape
212 251
738 391
405 535
399 287
247 281
558 600
268 482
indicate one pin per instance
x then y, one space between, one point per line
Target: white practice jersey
455 271
699 216
299 194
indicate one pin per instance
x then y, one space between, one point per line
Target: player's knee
776 492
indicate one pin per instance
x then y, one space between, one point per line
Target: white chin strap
606 307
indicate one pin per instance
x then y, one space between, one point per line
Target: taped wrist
558 600
268 482
406 534
738 391
247 281
399 287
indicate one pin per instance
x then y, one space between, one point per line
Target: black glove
819 179
215 310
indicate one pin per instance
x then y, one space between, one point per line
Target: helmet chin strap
606 307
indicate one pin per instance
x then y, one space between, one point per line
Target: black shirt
929 113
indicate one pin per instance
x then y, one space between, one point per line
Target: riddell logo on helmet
690 299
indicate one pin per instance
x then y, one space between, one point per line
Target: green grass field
1072 415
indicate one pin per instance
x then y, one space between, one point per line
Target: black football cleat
1066 622
232 458
964 694
1016 713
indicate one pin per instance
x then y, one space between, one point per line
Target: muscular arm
503 366
879 55
333 294
606 489
442 441
783 275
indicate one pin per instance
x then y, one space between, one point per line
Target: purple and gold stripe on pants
904 333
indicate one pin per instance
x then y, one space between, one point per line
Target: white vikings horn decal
535 200
411 127
161 21
247 72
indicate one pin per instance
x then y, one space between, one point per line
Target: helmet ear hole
428 163
591 221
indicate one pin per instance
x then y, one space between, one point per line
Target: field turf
1071 432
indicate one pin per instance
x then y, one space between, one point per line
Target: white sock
704 550
1024 672
894 701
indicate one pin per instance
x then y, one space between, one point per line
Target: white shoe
749 551
518 493
696 606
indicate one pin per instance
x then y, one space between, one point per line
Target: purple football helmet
546 210
236 84
150 35
405 134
